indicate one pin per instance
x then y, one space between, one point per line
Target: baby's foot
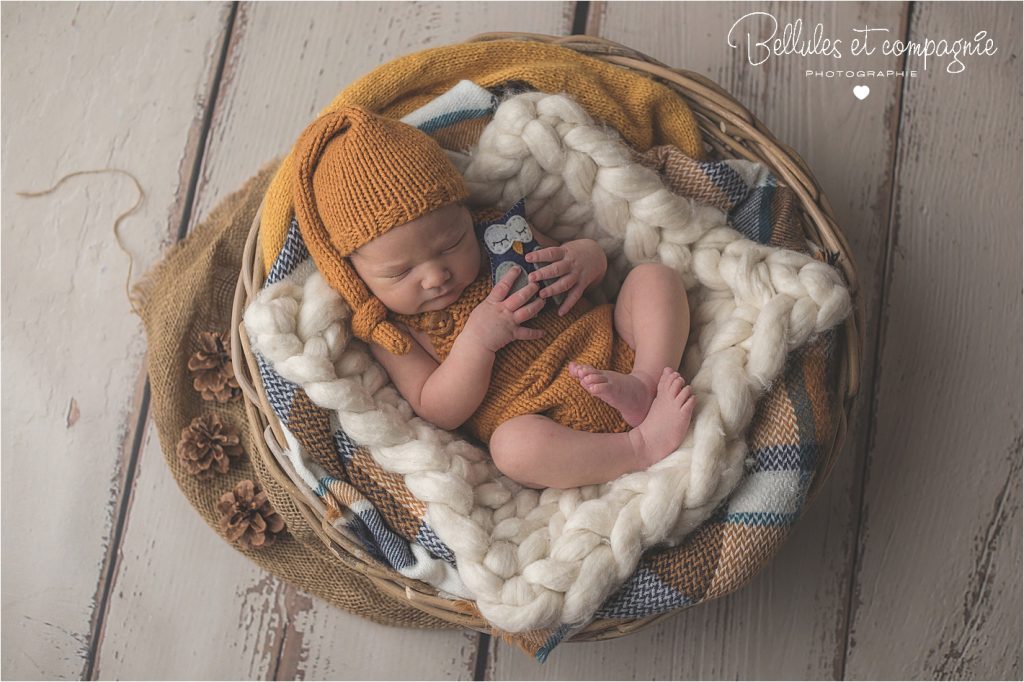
625 392
667 422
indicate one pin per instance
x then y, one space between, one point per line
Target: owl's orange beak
518 247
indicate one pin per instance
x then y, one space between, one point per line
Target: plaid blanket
793 421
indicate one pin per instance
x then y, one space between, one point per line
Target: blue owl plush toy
507 240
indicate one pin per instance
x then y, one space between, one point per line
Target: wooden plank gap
953 664
204 131
483 648
293 650
207 123
579 27
286 630
123 491
122 496
871 389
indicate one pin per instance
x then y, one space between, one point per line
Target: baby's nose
436 277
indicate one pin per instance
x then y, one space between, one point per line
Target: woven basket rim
732 132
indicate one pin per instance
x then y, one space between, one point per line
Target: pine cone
206 444
247 517
214 375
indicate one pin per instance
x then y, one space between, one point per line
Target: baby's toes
684 395
594 379
686 410
666 378
675 386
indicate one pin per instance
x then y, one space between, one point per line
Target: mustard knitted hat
357 176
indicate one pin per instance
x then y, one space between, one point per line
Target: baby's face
422 265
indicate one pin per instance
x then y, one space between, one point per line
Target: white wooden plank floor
85 87
908 565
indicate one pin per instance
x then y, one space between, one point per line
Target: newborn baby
565 395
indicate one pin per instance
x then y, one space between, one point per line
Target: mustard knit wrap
644 112
532 377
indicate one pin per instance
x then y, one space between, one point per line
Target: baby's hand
497 321
577 264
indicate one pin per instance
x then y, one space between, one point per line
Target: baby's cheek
376 289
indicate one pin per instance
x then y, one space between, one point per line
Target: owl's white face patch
499 237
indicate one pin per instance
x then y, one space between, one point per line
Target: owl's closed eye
499 237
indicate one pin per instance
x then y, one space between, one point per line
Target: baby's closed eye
455 245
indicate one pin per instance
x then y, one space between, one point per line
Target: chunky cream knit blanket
537 559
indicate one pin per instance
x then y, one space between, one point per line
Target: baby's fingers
527 334
550 271
504 285
521 297
528 311
570 300
546 255
561 286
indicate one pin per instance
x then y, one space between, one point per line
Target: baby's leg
652 315
540 453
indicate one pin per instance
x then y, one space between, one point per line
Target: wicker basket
728 131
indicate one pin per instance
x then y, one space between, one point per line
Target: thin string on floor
117 222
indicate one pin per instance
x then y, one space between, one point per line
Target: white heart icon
861 91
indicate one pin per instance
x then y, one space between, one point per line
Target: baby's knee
511 447
506 448
656 274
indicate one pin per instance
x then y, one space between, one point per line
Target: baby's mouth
444 294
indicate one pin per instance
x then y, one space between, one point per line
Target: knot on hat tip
369 322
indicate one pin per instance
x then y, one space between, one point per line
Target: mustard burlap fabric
191 292
643 111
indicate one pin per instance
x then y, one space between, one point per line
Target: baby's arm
448 393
